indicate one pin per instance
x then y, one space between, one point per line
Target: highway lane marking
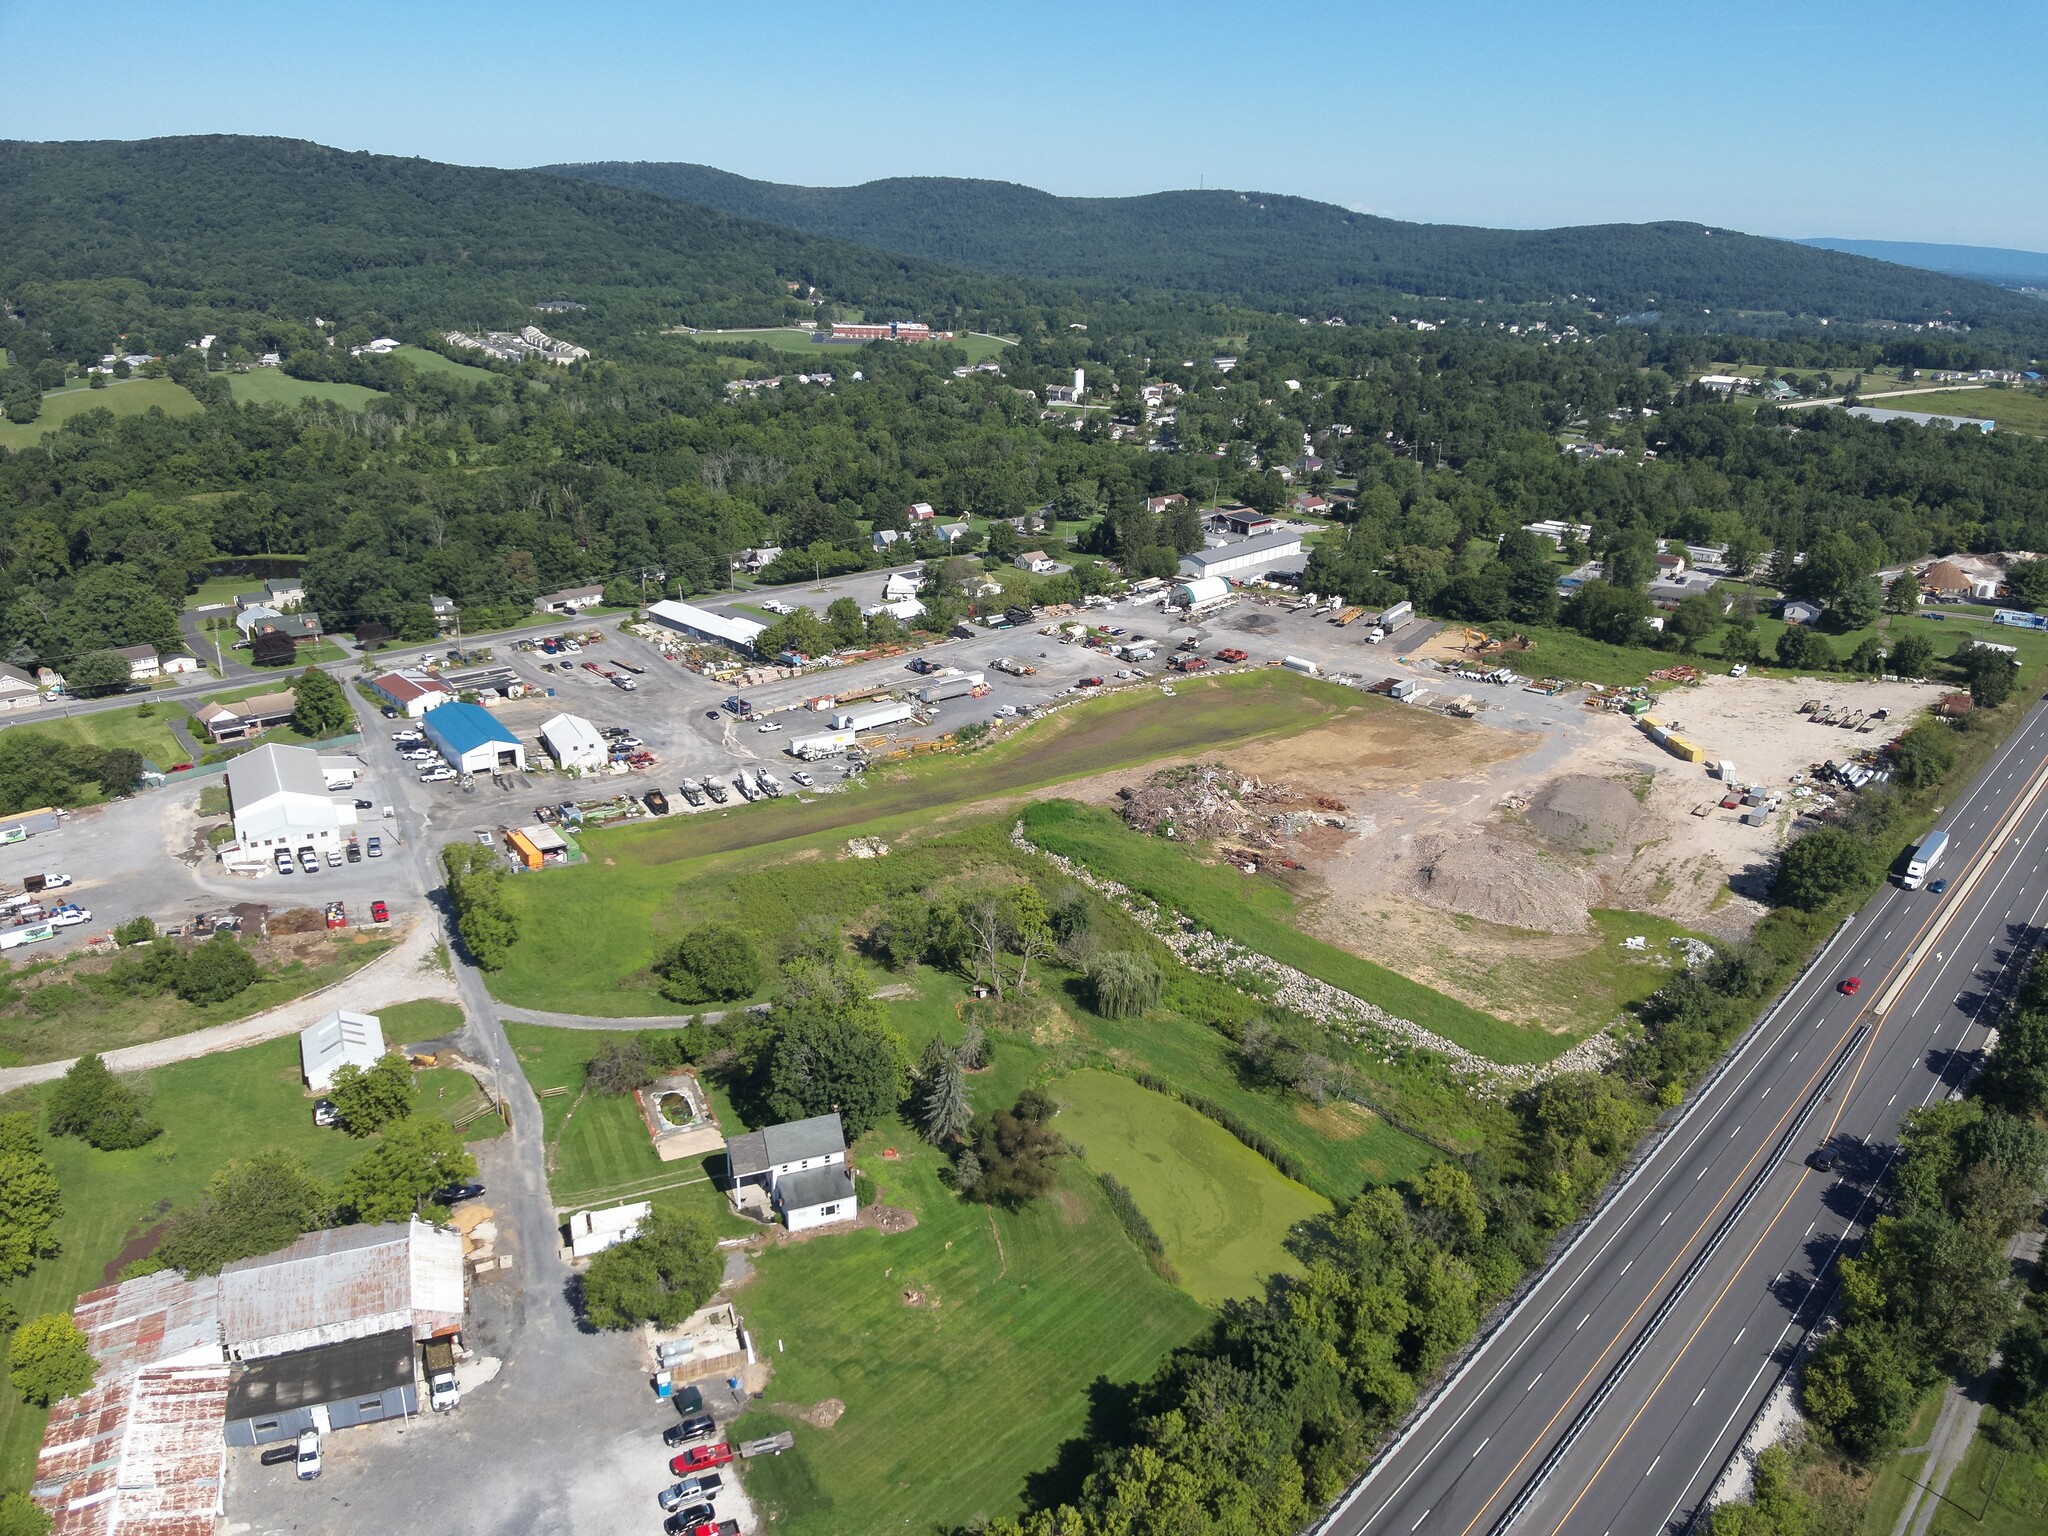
1482 1445
1936 1087
1583 1321
1814 976
1532 1385
1631 1264
1418 1524
1909 962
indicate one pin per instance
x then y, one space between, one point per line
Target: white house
411 692
341 1039
569 601
591 1232
278 797
18 690
1037 562
142 662
904 609
574 743
800 1166
900 584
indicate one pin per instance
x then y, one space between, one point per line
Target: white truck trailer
1924 859
823 744
872 718
958 686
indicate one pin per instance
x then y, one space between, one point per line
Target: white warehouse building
279 798
1245 556
703 624
341 1039
573 742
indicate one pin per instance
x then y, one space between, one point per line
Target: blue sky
1875 120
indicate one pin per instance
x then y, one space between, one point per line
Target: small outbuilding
341 1039
591 1232
573 742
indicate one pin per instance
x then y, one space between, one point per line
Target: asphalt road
1610 1399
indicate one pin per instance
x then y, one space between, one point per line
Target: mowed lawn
963 1349
273 386
1260 913
2015 410
428 361
598 1149
1222 1211
124 397
587 931
143 727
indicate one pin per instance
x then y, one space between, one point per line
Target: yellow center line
1911 956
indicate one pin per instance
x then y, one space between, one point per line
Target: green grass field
592 962
963 1349
80 1021
124 397
1993 1494
1222 1211
428 361
598 1147
273 386
2015 410
225 589
1261 913
790 339
143 727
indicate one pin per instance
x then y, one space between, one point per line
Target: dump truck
438 1357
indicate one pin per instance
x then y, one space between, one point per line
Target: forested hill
1290 250
285 226
1987 263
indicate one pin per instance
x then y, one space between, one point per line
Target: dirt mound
1580 811
819 1415
298 920
1203 802
1498 881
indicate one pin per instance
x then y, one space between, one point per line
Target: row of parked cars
350 853
691 1502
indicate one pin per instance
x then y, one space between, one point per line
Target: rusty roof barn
346 1283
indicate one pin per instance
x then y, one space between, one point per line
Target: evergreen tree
943 1111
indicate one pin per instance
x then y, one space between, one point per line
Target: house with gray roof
797 1169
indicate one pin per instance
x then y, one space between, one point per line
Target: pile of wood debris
1202 802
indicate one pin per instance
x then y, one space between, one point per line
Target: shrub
1123 984
711 962
47 1359
369 1101
661 1275
620 1066
216 971
137 930
91 1104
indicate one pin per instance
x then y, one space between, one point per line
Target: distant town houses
752 386
517 346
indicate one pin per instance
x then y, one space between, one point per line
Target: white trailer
1301 664
1396 616
824 744
14 938
957 686
872 718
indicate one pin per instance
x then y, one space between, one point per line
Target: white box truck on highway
1923 860
872 718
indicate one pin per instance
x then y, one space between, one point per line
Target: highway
1609 1399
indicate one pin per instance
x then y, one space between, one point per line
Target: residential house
411 692
1162 504
18 690
142 662
341 1039
262 619
244 718
1307 464
953 533
752 560
287 592
1669 565
1798 611
1037 562
444 611
1311 504
569 601
797 1168
884 537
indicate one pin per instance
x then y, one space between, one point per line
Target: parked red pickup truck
1232 653
700 1458
1189 663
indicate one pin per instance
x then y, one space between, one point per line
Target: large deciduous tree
661 1275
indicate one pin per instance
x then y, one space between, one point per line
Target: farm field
273 386
963 1348
426 360
1222 1211
2015 410
1260 913
790 339
124 397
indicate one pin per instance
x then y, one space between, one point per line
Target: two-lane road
1610 1398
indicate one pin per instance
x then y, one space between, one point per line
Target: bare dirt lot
1499 859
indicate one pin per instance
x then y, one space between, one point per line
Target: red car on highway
1851 986
700 1458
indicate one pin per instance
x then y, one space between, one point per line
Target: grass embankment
59 1019
1222 1211
963 1349
1992 1493
212 1111
124 397
2015 410
427 360
589 931
273 386
143 727
1260 913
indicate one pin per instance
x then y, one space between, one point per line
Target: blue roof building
472 739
